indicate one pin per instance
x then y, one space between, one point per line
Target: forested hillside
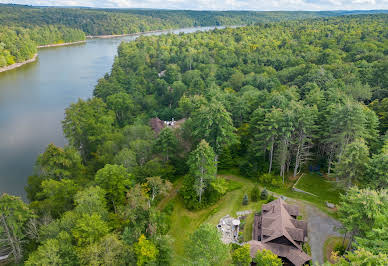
270 100
23 26
123 21
18 44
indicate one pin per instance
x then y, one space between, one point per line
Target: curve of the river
33 99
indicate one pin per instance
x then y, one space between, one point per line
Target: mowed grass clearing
318 185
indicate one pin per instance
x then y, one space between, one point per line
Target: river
33 99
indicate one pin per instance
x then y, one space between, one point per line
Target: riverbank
60 44
16 65
123 35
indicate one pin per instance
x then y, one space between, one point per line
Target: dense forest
123 21
18 44
23 27
271 100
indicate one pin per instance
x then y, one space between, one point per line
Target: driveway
320 227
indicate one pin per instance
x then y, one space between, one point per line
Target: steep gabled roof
277 222
294 255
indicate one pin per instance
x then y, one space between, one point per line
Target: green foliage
109 250
91 200
264 194
226 160
58 251
306 248
340 249
89 229
266 257
146 251
55 163
205 247
245 200
56 197
241 256
353 162
87 125
166 143
14 214
361 257
202 173
255 193
271 180
115 180
361 210
212 122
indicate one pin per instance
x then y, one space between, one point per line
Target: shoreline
16 65
60 44
123 35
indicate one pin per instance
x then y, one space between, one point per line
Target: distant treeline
18 44
123 21
24 27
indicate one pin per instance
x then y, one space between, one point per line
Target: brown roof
277 222
156 124
280 232
294 255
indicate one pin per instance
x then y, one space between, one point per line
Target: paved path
320 227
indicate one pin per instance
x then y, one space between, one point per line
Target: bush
245 200
255 193
340 249
264 194
306 248
271 180
271 198
169 208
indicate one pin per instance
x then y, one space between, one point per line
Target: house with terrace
278 230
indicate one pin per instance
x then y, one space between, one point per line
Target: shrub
271 180
245 200
306 248
241 256
340 249
255 193
169 208
270 198
264 194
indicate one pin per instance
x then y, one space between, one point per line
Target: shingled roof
281 232
295 256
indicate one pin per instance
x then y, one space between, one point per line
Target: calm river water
33 99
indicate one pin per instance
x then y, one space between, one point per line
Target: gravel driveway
320 227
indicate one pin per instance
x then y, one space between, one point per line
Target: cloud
217 4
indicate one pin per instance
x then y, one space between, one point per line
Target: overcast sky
217 4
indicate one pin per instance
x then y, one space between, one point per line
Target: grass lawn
330 244
318 185
184 222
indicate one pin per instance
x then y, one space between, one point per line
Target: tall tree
14 214
304 118
158 187
352 164
166 143
205 247
361 209
87 125
115 180
213 123
55 163
202 168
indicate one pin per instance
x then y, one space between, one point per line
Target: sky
264 5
